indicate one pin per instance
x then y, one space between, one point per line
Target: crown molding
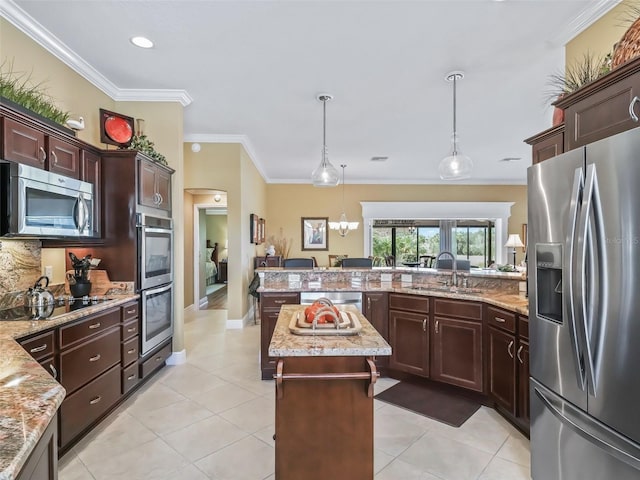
47 40
588 16
230 138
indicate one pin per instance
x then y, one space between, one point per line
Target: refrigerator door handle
590 206
598 434
572 296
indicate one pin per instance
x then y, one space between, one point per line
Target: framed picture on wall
261 228
253 228
314 233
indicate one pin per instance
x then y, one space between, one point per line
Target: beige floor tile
224 397
394 433
446 458
70 467
381 459
204 437
173 417
500 469
266 435
253 415
189 380
248 459
155 396
399 470
516 449
110 440
150 461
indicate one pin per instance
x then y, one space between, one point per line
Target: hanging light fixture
457 166
326 174
343 226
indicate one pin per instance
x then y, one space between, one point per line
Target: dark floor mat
430 401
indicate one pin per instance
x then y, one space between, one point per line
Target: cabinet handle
38 349
161 199
368 304
509 347
133 310
130 330
632 114
95 400
129 352
44 154
425 321
54 372
518 354
131 377
55 157
94 326
279 302
158 359
499 319
95 358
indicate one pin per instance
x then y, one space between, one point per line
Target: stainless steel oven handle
156 230
152 291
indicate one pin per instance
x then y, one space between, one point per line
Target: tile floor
212 418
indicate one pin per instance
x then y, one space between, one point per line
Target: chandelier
326 174
343 226
456 166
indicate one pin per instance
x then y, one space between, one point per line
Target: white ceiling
253 70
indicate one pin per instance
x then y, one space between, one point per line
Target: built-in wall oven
155 247
157 316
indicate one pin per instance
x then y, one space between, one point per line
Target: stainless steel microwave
38 203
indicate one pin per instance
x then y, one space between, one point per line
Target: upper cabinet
35 146
598 110
155 184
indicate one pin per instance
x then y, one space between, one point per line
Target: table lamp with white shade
514 242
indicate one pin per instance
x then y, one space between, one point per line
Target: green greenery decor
143 144
578 74
18 88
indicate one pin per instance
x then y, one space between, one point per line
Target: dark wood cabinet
547 144
24 144
42 464
130 346
91 171
155 360
409 333
375 307
270 304
457 353
154 188
502 369
522 355
222 272
64 158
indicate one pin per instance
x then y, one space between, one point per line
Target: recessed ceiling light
379 159
510 159
142 42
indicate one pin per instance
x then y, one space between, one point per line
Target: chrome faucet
454 266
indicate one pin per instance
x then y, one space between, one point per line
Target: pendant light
343 226
326 174
457 166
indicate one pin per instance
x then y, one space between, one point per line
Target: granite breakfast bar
324 399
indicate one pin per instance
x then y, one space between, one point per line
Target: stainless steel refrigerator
584 312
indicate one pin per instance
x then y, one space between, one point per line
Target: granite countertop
285 344
510 301
29 396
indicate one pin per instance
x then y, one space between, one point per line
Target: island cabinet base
324 418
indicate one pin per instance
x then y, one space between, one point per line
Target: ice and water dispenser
549 281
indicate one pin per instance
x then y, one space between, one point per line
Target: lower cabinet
502 369
409 334
155 360
456 353
42 464
270 304
375 307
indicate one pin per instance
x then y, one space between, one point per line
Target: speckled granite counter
368 342
29 396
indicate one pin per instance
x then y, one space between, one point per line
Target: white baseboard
234 324
190 308
177 358
203 302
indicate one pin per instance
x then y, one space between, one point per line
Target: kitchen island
324 400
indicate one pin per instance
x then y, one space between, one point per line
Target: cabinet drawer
80 409
130 377
155 361
70 334
86 361
130 351
129 329
458 309
279 299
40 346
411 303
501 319
129 312
523 327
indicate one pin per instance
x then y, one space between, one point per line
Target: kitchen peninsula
472 336
324 398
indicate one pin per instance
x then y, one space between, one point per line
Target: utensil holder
80 289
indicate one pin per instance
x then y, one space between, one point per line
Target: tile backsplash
20 264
